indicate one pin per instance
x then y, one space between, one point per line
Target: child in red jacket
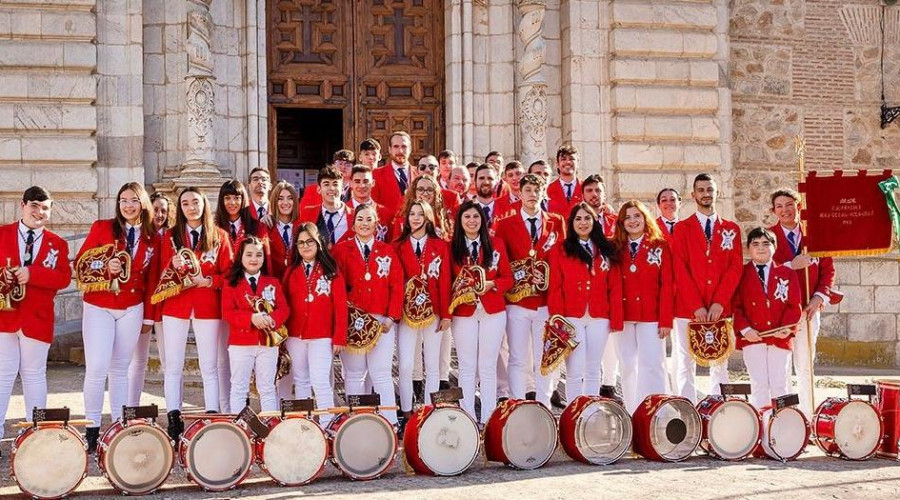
767 298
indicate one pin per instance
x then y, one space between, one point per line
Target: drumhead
295 451
219 455
364 445
448 441
733 430
675 430
50 462
857 430
603 432
529 436
784 434
138 459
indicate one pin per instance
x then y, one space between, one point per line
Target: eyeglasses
306 243
259 178
424 190
133 201
427 166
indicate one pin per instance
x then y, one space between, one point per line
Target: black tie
634 248
534 231
330 224
253 283
418 249
129 242
233 232
366 252
544 205
308 269
794 246
475 251
568 192
587 248
761 270
401 172
261 212
671 227
195 237
286 236
708 229
487 213
29 248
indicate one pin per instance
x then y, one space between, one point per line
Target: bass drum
441 440
666 428
732 427
216 453
295 451
49 461
522 434
785 433
847 428
595 430
136 456
363 444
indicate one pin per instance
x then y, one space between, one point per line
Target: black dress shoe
401 427
176 425
444 385
500 400
92 435
558 400
531 396
419 391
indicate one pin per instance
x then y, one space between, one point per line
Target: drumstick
773 331
292 413
54 422
201 416
348 409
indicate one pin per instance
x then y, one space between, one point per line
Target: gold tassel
724 359
92 287
464 298
852 253
419 324
518 293
165 294
366 348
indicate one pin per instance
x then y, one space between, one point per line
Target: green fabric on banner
888 186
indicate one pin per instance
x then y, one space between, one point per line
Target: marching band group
399 260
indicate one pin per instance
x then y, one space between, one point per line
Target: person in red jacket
668 201
789 253
707 251
512 175
113 320
33 257
426 320
260 183
284 202
332 216
566 191
647 301
478 329
767 299
163 217
528 233
198 306
317 294
374 279
253 304
392 180
585 288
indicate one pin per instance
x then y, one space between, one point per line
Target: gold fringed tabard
363 331
530 279
711 342
91 274
559 342
418 308
174 281
468 285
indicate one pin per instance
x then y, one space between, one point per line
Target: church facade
94 93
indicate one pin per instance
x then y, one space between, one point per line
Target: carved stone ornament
531 34
201 108
533 113
200 61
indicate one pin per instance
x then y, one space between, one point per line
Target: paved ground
814 475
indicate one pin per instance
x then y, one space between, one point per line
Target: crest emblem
210 255
268 294
604 263
495 260
381 232
434 269
323 286
728 239
654 256
384 265
50 259
781 290
551 240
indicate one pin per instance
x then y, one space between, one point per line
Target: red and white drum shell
522 434
49 461
216 453
441 440
847 428
595 430
889 405
363 444
785 433
732 428
135 456
666 428
295 451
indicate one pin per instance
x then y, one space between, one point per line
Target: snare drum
216 453
785 433
847 428
363 444
888 406
666 428
295 451
731 427
595 430
441 440
521 434
49 461
135 456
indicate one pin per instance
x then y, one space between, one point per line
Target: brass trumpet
10 289
274 337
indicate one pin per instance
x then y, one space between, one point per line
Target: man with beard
485 184
594 192
495 160
668 201
708 267
393 179
566 190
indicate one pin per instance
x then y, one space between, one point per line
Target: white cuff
822 296
745 330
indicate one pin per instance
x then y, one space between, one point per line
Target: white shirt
286 225
702 218
236 224
355 203
638 241
35 247
361 246
795 232
670 224
421 241
565 186
137 237
339 220
406 170
489 208
257 206
247 276
588 243
537 216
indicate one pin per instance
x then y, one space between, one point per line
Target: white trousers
444 367
478 341
801 359
583 365
769 369
407 343
137 370
246 360
643 362
610 366
686 368
25 357
311 362
206 333
502 369
525 336
110 337
378 364
223 366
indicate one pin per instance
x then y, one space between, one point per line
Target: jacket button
638 299
709 282
768 322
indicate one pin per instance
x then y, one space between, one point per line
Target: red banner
846 215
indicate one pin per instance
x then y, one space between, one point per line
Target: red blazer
49 273
386 221
762 310
262 232
821 271
386 190
434 264
609 219
311 197
502 190
505 206
202 302
383 293
236 309
326 316
664 228
144 263
557 196
500 273
255 213
314 214
515 236
574 291
702 280
451 200
648 293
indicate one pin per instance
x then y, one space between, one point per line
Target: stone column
200 98
532 84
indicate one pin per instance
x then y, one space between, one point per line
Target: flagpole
800 148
